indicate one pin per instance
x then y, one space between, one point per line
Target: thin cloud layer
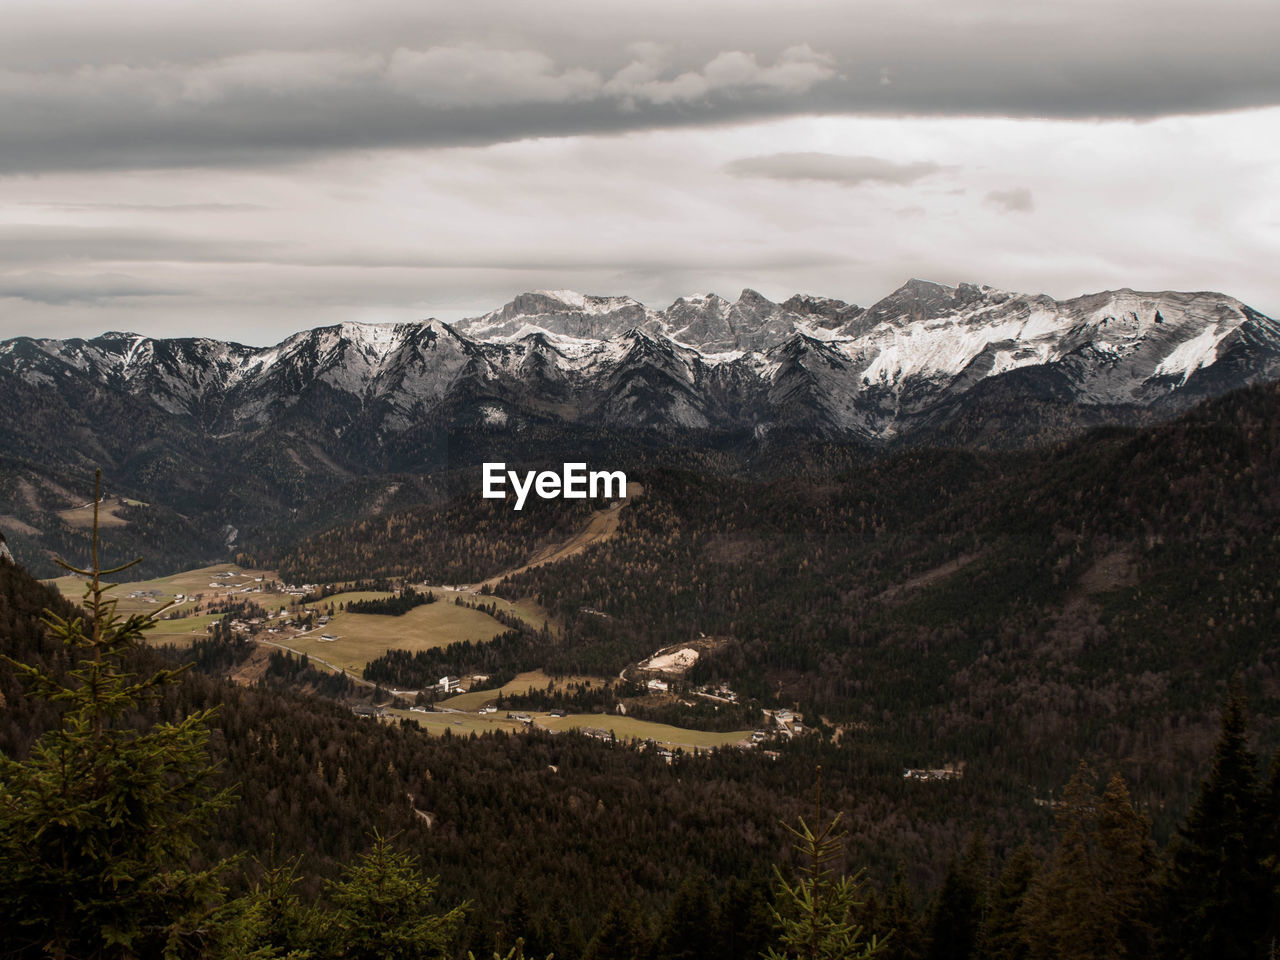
1017 200
255 254
831 167
42 287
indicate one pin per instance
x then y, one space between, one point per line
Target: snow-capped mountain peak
702 361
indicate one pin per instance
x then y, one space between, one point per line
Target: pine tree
1271 849
99 824
956 916
1218 889
1127 868
746 926
384 909
815 914
899 915
1002 937
621 935
1094 899
689 928
271 921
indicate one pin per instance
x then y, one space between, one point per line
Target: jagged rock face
560 312
897 369
5 555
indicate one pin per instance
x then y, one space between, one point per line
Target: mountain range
878 373
197 422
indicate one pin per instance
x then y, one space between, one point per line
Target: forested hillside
1014 611
1098 594
599 851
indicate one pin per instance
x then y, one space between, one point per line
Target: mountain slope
224 434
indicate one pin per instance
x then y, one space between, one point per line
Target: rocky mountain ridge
877 374
347 419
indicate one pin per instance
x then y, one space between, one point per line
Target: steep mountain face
560 312
876 374
189 419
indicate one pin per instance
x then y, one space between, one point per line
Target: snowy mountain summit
925 360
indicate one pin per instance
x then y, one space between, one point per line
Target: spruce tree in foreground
1095 898
960 909
383 909
99 824
815 915
1221 893
1001 937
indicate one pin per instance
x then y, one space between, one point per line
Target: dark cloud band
389 85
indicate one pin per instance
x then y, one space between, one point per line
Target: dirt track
602 525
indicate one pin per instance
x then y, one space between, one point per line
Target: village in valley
311 622
265 616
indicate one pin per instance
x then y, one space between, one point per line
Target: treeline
285 670
622 696
697 714
396 605
507 654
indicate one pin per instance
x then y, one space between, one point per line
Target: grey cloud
81 92
830 167
473 76
58 289
797 69
278 105
38 243
41 244
87 207
1017 200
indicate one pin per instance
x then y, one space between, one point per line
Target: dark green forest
568 845
1088 630
1012 611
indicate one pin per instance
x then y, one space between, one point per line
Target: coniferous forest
1083 636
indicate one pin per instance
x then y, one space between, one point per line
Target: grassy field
523 683
459 723
362 637
628 728
180 631
190 583
624 728
83 516
526 610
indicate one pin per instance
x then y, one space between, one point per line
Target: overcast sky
245 170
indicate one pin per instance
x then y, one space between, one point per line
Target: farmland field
624 728
459 723
83 516
523 683
525 609
361 637
208 582
180 631
628 728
